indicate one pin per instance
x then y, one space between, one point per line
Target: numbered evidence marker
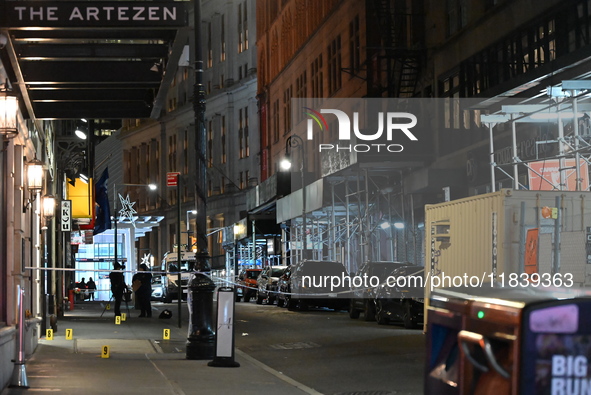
108 306
49 334
69 334
123 316
106 352
117 320
166 334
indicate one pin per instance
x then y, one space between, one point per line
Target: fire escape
398 55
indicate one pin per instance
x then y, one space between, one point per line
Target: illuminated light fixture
80 134
48 204
385 225
8 113
152 187
399 225
34 176
285 164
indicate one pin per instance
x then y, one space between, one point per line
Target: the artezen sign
94 14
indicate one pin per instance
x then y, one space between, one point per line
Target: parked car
305 294
403 303
267 283
247 284
362 298
157 289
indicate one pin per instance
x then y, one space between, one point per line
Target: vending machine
520 341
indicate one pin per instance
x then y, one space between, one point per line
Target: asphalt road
332 353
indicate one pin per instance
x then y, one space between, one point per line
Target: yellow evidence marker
106 352
117 320
166 334
108 306
69 334
49 334
123 316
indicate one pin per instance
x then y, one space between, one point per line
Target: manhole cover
294 346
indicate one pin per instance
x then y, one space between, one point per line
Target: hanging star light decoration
127 210
146 259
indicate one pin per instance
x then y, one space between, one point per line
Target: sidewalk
140 360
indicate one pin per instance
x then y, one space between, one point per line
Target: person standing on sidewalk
91 285
117 287
142 285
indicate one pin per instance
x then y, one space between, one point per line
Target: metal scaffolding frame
356 221
561 106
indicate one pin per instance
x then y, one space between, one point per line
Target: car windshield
185 266
253 274
276 272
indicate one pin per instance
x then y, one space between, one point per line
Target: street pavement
140 360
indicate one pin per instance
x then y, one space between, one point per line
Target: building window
172 153
209 188
223 134
334 65
241 180
186 152
209 48
246 135
457 15
210 144
242 27
223 38
354 51
240 135
246 178
287 95
316 77
223 185
275 123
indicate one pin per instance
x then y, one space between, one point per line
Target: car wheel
369 310
353 312
280 302
381 316
408 319
238 298
259 298
168 299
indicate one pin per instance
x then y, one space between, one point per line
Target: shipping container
515 238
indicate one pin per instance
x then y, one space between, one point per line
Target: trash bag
166 314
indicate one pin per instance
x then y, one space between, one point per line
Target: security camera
3 41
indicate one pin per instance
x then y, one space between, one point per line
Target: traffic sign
172 178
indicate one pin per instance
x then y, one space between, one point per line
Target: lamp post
152 188
295 141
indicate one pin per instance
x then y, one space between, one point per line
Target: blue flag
103 211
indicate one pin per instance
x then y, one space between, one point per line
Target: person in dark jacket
117 287
91 285
142 284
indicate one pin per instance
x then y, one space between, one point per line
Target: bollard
71 299
201 338
224 335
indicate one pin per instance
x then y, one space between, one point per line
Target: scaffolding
566 108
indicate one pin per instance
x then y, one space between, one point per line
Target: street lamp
295 141
152 188
194 212
8 113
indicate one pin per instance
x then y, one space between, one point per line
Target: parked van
171 269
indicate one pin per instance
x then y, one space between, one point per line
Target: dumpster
499 341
